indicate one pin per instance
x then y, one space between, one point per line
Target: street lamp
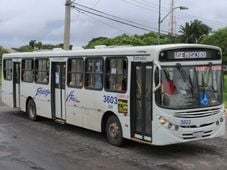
161 20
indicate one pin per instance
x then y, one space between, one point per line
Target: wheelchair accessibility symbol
204 99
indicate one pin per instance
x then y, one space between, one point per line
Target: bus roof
110 51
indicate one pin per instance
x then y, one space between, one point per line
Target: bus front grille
188 136
197 114
194 126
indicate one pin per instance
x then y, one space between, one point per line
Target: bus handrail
159 75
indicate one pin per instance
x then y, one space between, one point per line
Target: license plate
198 134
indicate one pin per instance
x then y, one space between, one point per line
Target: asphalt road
46 145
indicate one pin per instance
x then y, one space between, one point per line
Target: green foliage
225 84
225 90
135 40
25 48
0 74
218 38
194 31
38 45
2 51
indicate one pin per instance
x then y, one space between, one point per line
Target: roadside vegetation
2 51
225 90
0 74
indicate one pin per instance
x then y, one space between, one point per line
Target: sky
43 20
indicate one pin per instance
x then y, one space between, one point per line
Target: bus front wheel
31 110
114 131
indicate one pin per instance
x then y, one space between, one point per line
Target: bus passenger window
116 74
42 71
75 72
94 73
7 69
27 70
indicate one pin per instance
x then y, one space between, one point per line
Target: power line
90 16
147 6
110 15
113 18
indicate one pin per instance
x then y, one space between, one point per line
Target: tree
194 31
39 45
2 51
32 43
218 38
135 40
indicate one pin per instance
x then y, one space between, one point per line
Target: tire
31 110
114 131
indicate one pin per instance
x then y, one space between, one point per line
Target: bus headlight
162 121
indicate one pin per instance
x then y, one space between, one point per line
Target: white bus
157 95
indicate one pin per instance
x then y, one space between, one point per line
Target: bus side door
58 72
16 84
141 100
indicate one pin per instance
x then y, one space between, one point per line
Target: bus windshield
185 87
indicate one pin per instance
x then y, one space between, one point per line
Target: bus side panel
85 108
74 115
92 109
7 92
41 96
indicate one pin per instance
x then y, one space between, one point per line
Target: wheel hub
114 130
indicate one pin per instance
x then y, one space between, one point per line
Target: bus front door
141 101
58 90
16 84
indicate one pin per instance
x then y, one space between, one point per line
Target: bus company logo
71 97
42 92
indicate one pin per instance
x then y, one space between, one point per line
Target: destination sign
190 54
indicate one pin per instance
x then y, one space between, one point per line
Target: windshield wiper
186 79
184 76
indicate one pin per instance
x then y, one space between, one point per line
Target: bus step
61 121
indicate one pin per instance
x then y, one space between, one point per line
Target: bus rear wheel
31 110
114 131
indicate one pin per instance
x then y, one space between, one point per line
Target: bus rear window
7 69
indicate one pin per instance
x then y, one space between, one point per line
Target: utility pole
67 24
159 20
172 21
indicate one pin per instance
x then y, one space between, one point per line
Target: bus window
27 70
75 72
116 74
7 69
94 73
42 71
